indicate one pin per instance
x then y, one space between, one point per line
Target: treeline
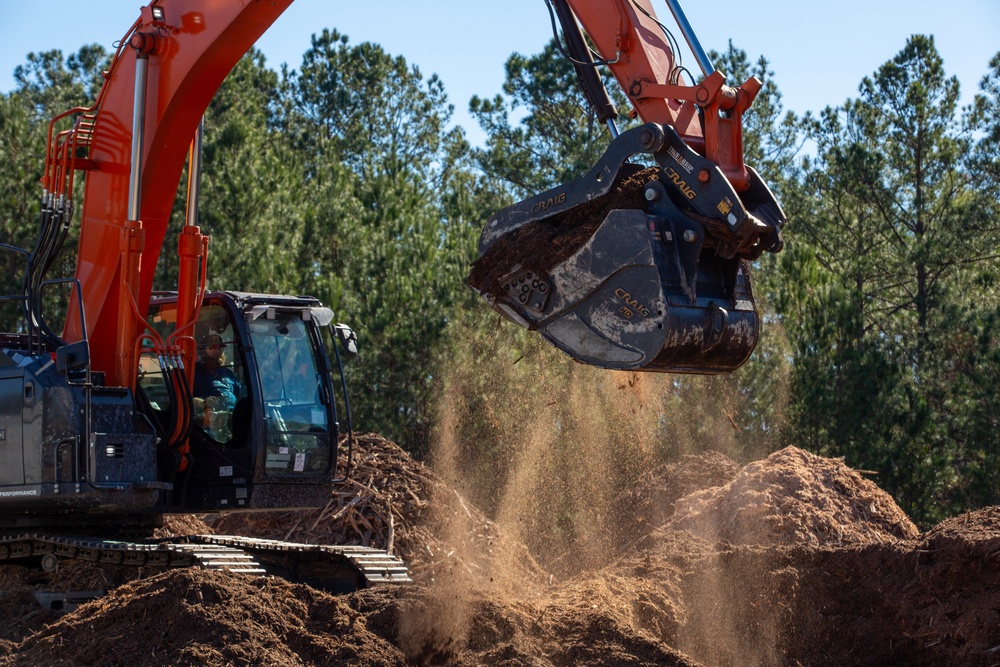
344 179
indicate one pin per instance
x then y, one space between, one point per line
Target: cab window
298 423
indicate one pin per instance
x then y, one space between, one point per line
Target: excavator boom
163 77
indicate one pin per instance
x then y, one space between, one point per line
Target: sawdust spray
545 445
434 628
549 449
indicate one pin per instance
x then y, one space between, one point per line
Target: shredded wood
390 502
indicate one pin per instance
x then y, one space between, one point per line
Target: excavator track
375 566
338 569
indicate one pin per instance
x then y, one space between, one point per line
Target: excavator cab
265 424
263 432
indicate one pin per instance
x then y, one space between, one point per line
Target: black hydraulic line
31 306
175 383
674 45
176 380
53 230
187 397
65 215
583 63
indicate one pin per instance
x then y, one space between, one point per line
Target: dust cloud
552 451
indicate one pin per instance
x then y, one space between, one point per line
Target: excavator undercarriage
336 569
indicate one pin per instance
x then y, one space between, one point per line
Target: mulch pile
793 560
794 497
391 502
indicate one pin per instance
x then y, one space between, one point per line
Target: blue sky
818 51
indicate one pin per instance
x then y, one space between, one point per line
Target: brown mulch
793 560
391 502
195 617
182 524
794 497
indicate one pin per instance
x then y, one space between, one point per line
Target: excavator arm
632 268
136 139
708 116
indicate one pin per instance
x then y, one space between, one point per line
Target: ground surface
794 560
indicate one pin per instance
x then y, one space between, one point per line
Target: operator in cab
212 378
216 389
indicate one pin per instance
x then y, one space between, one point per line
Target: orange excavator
139 404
